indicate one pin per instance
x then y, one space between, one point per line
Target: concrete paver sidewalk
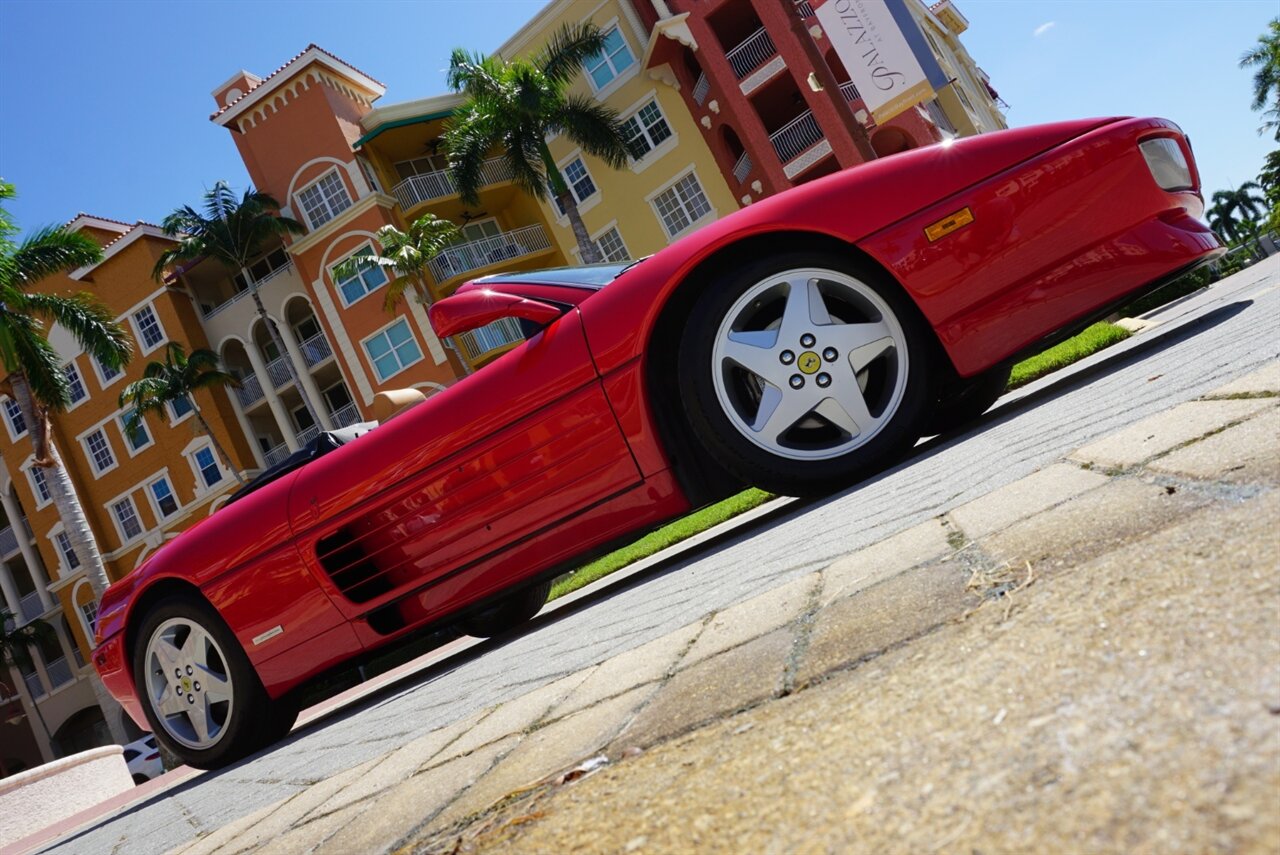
1086 658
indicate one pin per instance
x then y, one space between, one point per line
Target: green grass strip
655 541
1093 339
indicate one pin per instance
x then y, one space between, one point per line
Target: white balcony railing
30 607
278 371
59 672
700 89
249 391
742 168
803 9
417 189
275 455
796 136
345 416
464 257
210 312
305 437
8 541
752 53
849 91
34 687
500 333
315 349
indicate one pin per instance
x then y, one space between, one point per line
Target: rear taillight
155 756
1168 163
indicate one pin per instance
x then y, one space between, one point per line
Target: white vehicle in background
143 759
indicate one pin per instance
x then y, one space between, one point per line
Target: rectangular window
90 612
681 205
179 407
39 485
138 437
392 350
614 59
263 269
422 165
72 561
325 199
148 326
162 492
99 450
579 181
611 246
127 518
106 373
208 467
13 415
645 130
367 277
75 383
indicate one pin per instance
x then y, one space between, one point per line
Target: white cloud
1044 28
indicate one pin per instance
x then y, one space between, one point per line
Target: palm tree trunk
279 343
74 522
217 446
586 246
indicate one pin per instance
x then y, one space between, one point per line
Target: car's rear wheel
198 689
804 372
507 613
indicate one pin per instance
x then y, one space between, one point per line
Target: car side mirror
473 309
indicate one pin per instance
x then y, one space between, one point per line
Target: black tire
785 470
508 613
964 399
140 779
245 723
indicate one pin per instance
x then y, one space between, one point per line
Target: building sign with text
884 52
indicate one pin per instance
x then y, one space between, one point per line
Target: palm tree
1247 201
514 105
406 256
1265 55
15 649
35 377
233 231
177 379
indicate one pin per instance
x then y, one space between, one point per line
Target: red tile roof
298 56
96 217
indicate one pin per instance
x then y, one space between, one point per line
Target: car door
469 475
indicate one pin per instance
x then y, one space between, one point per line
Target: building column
273 400
308 382
34 565
10 592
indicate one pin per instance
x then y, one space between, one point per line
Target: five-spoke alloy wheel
199 691
803 373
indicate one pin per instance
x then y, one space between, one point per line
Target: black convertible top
325 442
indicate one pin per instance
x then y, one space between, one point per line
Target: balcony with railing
849 91
30 607
754 51
315 349
480 343
59 671
35 688
742 168
8 541
209 311
700 89
275 455
796 137
278 371
345 416
249 392
417 189
465 257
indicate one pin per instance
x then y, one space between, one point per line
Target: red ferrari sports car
798 345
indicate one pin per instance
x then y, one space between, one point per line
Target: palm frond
40 363
570 46
594 127
51 250
89 321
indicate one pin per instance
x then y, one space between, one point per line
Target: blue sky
106 104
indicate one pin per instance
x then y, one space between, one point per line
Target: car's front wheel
198 689
805 372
